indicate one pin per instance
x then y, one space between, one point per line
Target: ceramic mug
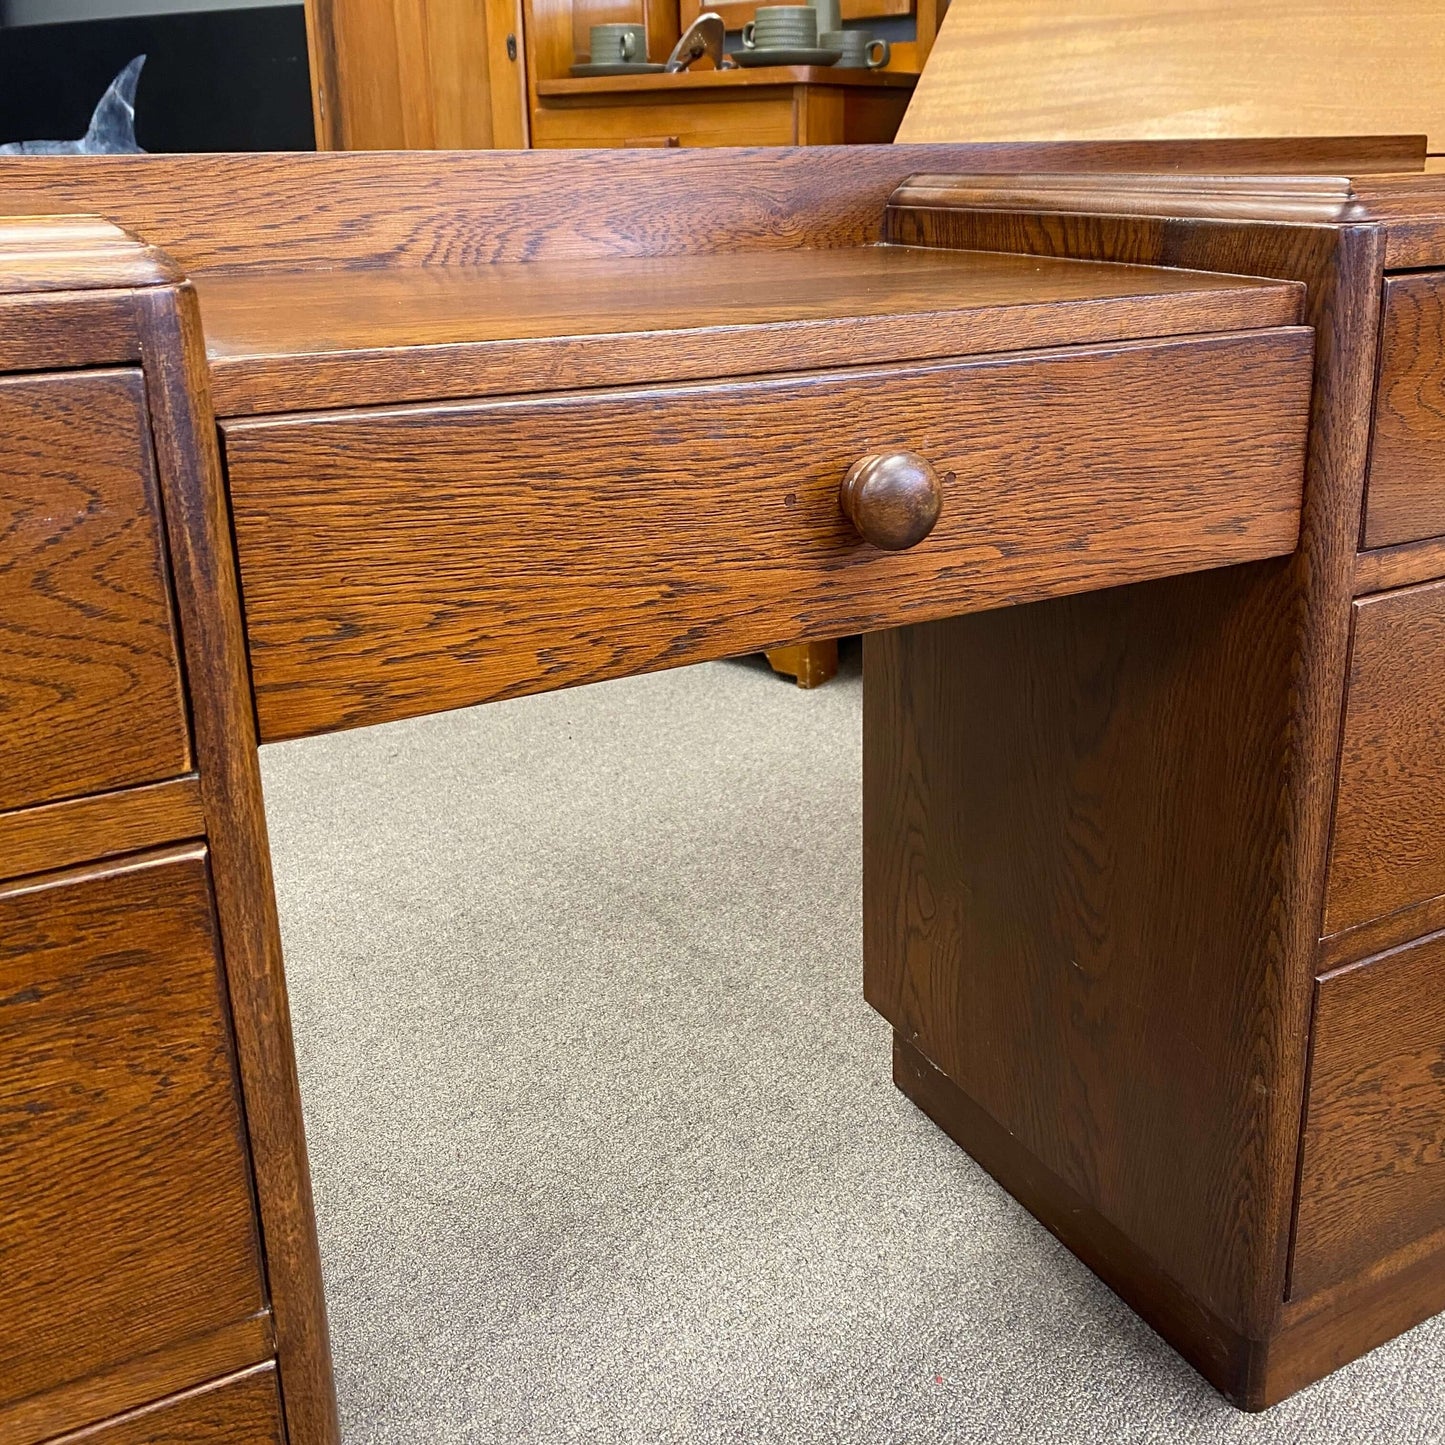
830 17
618 44
861 51
782 27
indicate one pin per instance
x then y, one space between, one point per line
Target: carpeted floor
604 1141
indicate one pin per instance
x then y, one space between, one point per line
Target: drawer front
1388 847
1406 488
242 1410
396 562
1373 1174
126 1221
90 691
766 122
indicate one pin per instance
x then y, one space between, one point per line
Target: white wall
45 12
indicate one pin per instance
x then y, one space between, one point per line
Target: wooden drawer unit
1372 1179
1405 500
750 122
242 1410
126 1218
398 561
90 689
1388 849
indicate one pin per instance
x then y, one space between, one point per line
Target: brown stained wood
809 664
1204 711
90 687
1390 815
1316 1335
138 1382
126 1224
892 499
1038 70
699 521
1405 496
242 1410
1329 1329
73 253
50 331
37 840
1379 934
358 208
1402 566
1216 1350
203 565
1372 1175
289 341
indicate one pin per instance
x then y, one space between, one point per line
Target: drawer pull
892 499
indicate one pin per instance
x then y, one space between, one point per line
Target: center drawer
399 561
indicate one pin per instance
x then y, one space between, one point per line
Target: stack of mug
782 27
861 51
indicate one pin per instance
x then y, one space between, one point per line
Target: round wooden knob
892 499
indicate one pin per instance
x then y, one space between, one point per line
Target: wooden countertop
295 340
741 78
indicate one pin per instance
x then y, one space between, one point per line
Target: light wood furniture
381 398
767 106
417 74
1038 70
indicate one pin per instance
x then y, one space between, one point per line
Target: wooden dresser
1144 524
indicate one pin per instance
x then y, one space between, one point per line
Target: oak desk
423 431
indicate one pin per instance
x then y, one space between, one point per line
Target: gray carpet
604 1141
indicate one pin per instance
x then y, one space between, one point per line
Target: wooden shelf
294 340
687 81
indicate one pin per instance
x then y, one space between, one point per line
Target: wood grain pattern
1372 1176
1320 1333
295 340
1405 496
47 331
39 840
242 1410
74 253
136 1383
401 75
1033 70
698 521
198 528
90 688
1401 566
1222 1356
1390 815
358 208
1163 1076
1377 935
1317 1334
127 1222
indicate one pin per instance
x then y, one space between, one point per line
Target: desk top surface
299 339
